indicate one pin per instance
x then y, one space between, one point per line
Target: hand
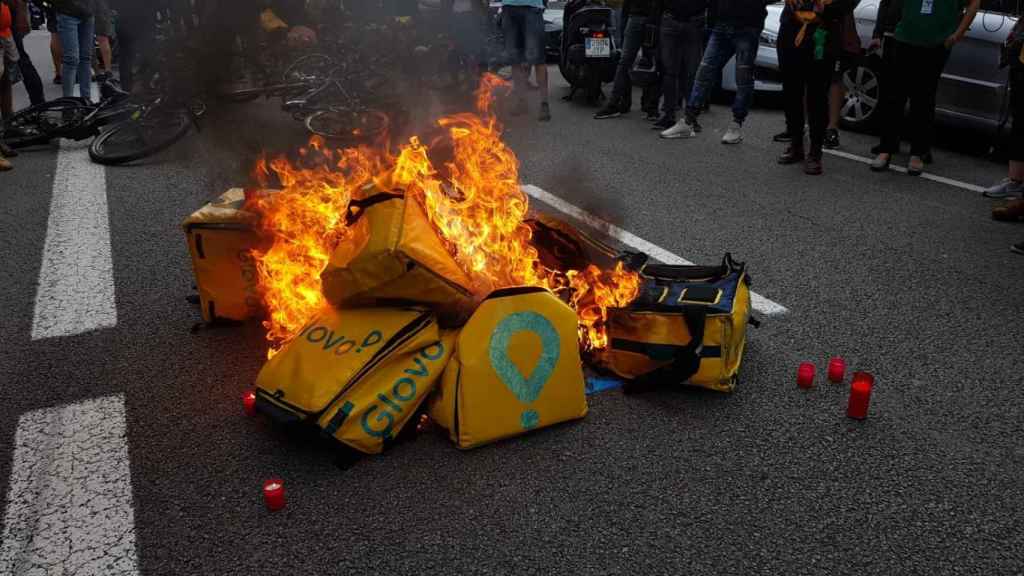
952 40
301 37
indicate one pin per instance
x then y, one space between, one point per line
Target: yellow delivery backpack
395 256
221 238
516 368
687 325
358 375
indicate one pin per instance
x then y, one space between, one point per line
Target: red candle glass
249 403
836 370
860 395
273 494
805 375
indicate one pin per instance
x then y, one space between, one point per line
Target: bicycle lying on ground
124 128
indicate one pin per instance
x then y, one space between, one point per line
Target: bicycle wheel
43 122
348 125
311 68
139 137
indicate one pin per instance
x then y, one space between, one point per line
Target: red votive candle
860 395
836 370
249 403
805 375
273 494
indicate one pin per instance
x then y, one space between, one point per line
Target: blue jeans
725 42
77 37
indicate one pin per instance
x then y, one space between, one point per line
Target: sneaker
792 155
651 116
881 162
1017 248
681 129
664 123
831 139
5 165
1005 189
782 137
101 77
520 108
696 126
545 112
734 135
610 111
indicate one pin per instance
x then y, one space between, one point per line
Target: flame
471 197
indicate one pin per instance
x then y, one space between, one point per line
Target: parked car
973 91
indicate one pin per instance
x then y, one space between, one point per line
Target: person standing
522 22
637 15
29 75
8 58
735 31
809 45
1013 186
927 32
76 26
681 40
104 32
135 28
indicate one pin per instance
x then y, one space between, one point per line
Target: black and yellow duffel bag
688 324
358 375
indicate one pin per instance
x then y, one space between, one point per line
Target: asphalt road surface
124 450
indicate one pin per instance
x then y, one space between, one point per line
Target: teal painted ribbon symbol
525 389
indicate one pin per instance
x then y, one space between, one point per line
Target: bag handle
357 207
687 358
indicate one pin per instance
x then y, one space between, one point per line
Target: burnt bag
687 325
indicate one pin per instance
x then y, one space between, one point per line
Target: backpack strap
357 207
686 359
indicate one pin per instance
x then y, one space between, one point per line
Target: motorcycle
589 49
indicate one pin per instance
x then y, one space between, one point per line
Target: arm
965 23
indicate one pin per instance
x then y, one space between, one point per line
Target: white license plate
598 47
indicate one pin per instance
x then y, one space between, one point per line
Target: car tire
863 83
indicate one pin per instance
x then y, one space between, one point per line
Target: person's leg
745 41
29 74
6 94
533 43
86 42
126 54
671 53
791 66
106 54
633 37
67 27
819 81
922 99
894 100
692 46
512 30
718 52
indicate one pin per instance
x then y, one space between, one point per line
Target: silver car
973 90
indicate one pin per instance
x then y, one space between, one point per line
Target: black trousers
914 76
134 37
803 76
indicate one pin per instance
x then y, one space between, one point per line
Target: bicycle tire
42 123
347 125
134 139
310 68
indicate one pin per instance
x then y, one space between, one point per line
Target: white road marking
760 303
925 175
76 281
69 504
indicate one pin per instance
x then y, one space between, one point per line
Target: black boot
794 153
813 165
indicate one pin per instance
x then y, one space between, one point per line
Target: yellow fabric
351 358
727 331
270 22
397 255
516 368
221 238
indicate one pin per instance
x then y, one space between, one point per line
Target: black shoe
812 166
664 123
1017 248
792 155
101 77
782 137
831 139
610 111
650 116
696 125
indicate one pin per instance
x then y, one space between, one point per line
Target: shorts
523 27
104 19
846 61
8 53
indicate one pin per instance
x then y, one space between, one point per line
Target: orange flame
474 202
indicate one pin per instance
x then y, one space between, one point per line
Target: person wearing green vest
924 37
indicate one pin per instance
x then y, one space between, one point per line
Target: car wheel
863 83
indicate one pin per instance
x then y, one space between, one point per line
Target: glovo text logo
379 419
337 344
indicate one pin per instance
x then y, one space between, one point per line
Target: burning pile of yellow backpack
378 357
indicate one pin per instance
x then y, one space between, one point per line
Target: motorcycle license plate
598 47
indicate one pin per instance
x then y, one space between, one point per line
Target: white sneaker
681 129
1005 189
734 135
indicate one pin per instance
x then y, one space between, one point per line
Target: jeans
622 89
681 44
77 38
916 72
727 41
803 75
